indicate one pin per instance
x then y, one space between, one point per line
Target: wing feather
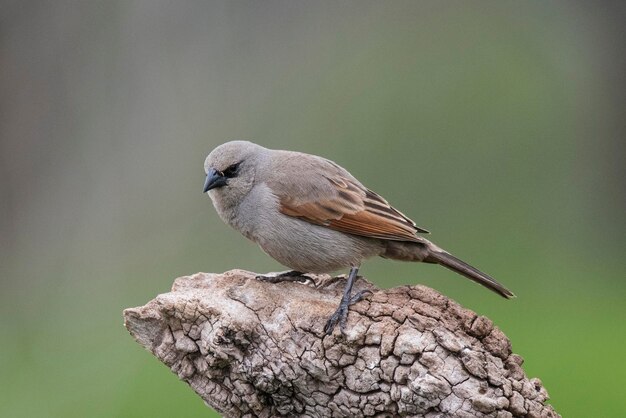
351 208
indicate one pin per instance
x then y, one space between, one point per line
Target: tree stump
257 349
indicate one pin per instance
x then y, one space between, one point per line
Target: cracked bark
255 349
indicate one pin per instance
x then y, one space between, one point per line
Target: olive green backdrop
499 126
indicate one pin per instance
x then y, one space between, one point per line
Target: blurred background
499 126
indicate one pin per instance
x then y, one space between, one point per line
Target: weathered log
257 349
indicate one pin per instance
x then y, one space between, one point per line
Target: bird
311 215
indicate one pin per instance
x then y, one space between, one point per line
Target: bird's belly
310 248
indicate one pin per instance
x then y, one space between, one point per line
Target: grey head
230 170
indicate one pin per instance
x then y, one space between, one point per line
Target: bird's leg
286 276
341 314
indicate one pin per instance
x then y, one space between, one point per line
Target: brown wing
353 209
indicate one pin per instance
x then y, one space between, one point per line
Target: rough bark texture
252 348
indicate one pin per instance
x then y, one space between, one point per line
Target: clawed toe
340 316
279 279
290 276
307 280
360 296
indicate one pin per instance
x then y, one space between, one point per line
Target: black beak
214 179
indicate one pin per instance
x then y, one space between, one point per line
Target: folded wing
341 203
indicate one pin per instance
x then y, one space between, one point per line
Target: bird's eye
231 170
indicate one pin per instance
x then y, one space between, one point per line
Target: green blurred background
499 126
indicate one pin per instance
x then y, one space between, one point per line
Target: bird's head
230 171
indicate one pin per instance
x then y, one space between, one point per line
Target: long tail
451 262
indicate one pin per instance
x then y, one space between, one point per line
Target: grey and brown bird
313 216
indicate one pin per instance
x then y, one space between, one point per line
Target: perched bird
313 216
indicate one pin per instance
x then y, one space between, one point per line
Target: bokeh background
499 126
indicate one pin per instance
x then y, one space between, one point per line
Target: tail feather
451 262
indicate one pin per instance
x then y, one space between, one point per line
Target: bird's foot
287 276
360 296
341 314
